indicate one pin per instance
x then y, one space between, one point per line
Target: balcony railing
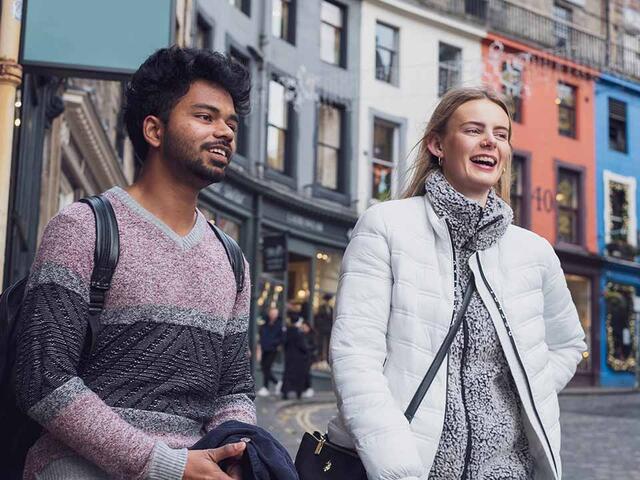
555 36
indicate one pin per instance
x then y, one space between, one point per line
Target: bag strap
105 256
234 254
442 352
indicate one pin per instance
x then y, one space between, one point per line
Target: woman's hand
203 464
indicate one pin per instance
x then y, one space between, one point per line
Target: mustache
222 143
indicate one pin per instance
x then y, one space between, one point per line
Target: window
568 201
386 53
202 34
242 5
620 222
512 88
617 125
242 134
619 327
283 20
384 153
517 199
330 123
563 17
566 110
278 128
332 44
450 66
580 288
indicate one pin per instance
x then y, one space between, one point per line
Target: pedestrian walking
299 349
323 321
170 360
448 247
271 338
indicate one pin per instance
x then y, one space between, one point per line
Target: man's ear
153 130
435 146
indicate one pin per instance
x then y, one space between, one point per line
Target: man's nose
222 130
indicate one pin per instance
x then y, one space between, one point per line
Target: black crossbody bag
318 458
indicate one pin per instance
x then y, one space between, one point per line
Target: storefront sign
90 37
303 222
275 253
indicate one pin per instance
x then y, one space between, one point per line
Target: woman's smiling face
475 148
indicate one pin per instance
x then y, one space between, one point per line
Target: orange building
553 189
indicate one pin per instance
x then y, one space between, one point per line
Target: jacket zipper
467 453
515 349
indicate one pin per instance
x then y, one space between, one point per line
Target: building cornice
91 139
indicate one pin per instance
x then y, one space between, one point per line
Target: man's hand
203 464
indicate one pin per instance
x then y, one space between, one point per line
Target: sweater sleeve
50 341
236 388
358 350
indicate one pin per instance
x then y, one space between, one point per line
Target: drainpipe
10 80
607 19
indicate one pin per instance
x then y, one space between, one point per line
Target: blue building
618 170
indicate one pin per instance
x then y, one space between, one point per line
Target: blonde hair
426 162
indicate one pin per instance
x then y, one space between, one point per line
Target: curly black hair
166 76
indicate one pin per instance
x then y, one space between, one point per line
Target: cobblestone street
601 432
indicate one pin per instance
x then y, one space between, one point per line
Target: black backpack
19 431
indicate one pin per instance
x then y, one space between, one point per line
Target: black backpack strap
234 254
442 352
106 254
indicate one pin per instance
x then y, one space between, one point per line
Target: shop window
449 67
580 288
512 88
386 53
620 329
228 225
329 146
566 101
298 287
384 156
325 288
617 125
332 33
517 199
283 20
568 206
278 130
620 217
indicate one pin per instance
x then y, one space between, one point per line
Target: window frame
562 29
625 125
515 101
340 167
525 197
342 61
244 127
631 183
580 210
290 26
244 7
393 163
572 109
394 76
442 65
287 175
202 23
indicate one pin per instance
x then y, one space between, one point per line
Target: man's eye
473 130
233 127
204 117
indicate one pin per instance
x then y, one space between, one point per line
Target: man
271 337
171 358
324 322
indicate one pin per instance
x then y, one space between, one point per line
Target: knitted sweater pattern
482 404
171 358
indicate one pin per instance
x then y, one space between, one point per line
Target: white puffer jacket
394 307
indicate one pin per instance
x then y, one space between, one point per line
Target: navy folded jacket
264 458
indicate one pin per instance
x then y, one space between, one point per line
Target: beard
180 152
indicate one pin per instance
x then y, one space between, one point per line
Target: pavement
600 431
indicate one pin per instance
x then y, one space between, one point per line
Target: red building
553 189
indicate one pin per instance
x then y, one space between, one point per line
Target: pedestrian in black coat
299 349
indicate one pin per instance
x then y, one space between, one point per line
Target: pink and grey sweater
170 362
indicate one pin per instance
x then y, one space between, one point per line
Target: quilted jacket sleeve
564 333
358 351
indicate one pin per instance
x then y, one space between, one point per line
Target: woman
298 356
492 409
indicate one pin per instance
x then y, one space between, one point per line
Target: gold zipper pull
320 445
